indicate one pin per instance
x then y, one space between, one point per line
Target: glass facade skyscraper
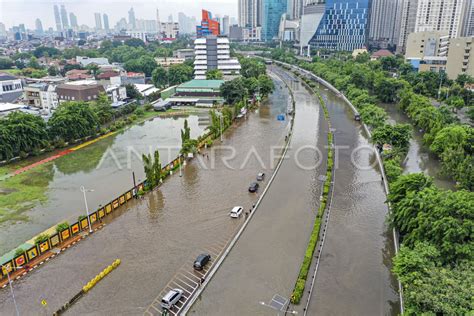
344 25
272 12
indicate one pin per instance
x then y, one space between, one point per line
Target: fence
82 224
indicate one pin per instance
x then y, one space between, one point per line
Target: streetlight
84 190
11 288
180 166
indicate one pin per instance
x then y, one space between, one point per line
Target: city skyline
27 11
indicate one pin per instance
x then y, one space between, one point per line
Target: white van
236 211
171 298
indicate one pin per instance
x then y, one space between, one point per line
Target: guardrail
377 153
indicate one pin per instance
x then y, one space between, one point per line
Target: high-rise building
98 21
431 15
106 22
64 18
295 9
213 52
225 25
250 13
385 22
427 51
73 21
57 18
272 10
131 18
38 27
169 30
468 20
187 25
344 25
209 26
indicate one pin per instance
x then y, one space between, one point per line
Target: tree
160 77
252 67
152 168
373 116
43 51
214 74
179 74
132 92
52 71
463 79
266 85
233 91
144 63
397 135
73 120
33 63
6 63
22 132
386 89
134 42
93 69
103 108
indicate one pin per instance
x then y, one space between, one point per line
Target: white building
84 61
214 53
10 88
7 108
42 96
169 30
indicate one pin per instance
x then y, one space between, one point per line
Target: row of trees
173 75
24 133
435 260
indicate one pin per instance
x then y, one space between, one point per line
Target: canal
419 158
164 231
105 167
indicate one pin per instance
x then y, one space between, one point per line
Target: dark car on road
254 187
201 261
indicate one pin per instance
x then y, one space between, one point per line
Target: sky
14 12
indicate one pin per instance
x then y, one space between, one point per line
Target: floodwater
354 275
266 259
419 158
104 167
155 236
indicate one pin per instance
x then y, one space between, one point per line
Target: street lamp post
180 166
11 290
220 125
83 190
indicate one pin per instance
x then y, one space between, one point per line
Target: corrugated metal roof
196 84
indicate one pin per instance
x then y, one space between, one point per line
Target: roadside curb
216 267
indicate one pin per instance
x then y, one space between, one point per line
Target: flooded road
266 259
419 158
105 167
156 236
354 274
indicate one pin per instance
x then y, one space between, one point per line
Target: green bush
41 238
81 217
392 169
62 226
19 252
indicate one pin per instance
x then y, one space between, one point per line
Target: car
171 298
254 187
260 176
201 261
236 211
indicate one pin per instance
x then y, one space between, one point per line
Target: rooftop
5 76
382 53
196 84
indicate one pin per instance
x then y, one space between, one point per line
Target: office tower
158 21
214 53
187 25
272 10
431 15
106 22
225 25
170 18
209 26
131 18
385 22
73 21
38 27
250 13
98 21
3 30
57 18
344 25
121 25
64 18
295 9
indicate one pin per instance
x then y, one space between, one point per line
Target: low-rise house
186 53
11 88
380 53
205 93
7 108
85 90
42 96
78 74
84 60
117 95
128 78
169 61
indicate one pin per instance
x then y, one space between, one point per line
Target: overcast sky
14 12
